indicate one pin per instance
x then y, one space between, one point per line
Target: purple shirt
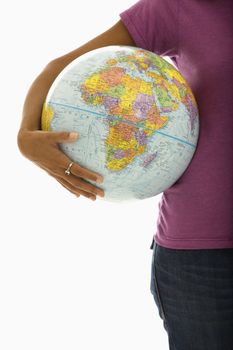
197 211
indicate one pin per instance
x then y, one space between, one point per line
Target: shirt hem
194 244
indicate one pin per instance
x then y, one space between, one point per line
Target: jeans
193 292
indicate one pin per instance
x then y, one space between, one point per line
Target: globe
136 117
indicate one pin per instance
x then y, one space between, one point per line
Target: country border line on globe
120 119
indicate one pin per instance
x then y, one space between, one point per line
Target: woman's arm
41 147
32 108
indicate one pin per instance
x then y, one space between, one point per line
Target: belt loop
152 244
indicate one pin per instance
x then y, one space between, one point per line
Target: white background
74 274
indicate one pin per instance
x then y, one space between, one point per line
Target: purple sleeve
153 25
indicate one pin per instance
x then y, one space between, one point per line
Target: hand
41 147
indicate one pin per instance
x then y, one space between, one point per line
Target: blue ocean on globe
136 117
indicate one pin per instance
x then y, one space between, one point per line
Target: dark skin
42 147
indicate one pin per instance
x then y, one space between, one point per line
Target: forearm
32 108
33 104
35 98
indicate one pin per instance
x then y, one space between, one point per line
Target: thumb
63 136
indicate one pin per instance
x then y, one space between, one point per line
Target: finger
68 186
83 185
74 190
63 161
85 188
62 136
78 170
64 183
58 162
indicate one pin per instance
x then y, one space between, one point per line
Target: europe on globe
136 117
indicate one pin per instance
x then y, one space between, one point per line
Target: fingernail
73 135
100 194
99 179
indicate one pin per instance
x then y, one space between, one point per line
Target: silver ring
67 171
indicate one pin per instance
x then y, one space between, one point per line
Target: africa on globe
136 117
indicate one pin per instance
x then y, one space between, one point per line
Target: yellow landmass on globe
46 117
132 100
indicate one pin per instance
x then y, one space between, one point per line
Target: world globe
136 117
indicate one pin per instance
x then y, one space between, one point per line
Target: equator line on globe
136 117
